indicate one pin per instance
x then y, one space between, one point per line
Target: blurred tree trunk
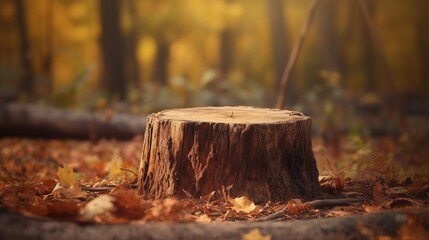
27 76
368 53
113 75
226 50
132 68
160 71
279 38
47 63
332 57
423 42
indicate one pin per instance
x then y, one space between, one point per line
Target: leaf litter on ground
95 182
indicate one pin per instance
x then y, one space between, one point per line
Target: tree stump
265 154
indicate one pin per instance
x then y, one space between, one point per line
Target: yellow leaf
115 166
67 177
203 219
255 234
242 204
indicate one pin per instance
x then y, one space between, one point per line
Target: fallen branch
316 204
97 189
24 120
395 225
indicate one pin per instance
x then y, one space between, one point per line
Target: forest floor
88 181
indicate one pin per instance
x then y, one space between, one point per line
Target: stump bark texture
264 154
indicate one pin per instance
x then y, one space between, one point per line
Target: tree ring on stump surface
264 154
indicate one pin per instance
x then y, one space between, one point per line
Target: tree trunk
423 43
27 77
279 37
226 49
132 68
49 57
160 72
112 47
265 154
331 52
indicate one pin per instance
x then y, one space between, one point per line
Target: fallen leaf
371 208
331 183
99 205
255 234
115 166
60 208
46 186
64 192
242 204
130 204
378 193
338 213
67 177
168 209
203 219
403 203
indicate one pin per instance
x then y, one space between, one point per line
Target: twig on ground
97 189
316 204
334 202
128 170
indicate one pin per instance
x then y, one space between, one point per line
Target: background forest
92 70
144 56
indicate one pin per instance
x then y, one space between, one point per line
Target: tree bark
113 75
264 154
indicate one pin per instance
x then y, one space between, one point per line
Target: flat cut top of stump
239 115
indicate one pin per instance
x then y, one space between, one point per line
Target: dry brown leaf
331 183
372 209
403 203
295 206
338 213
378 193
255 234
166 209
67 193
129 204
46 186
60 208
